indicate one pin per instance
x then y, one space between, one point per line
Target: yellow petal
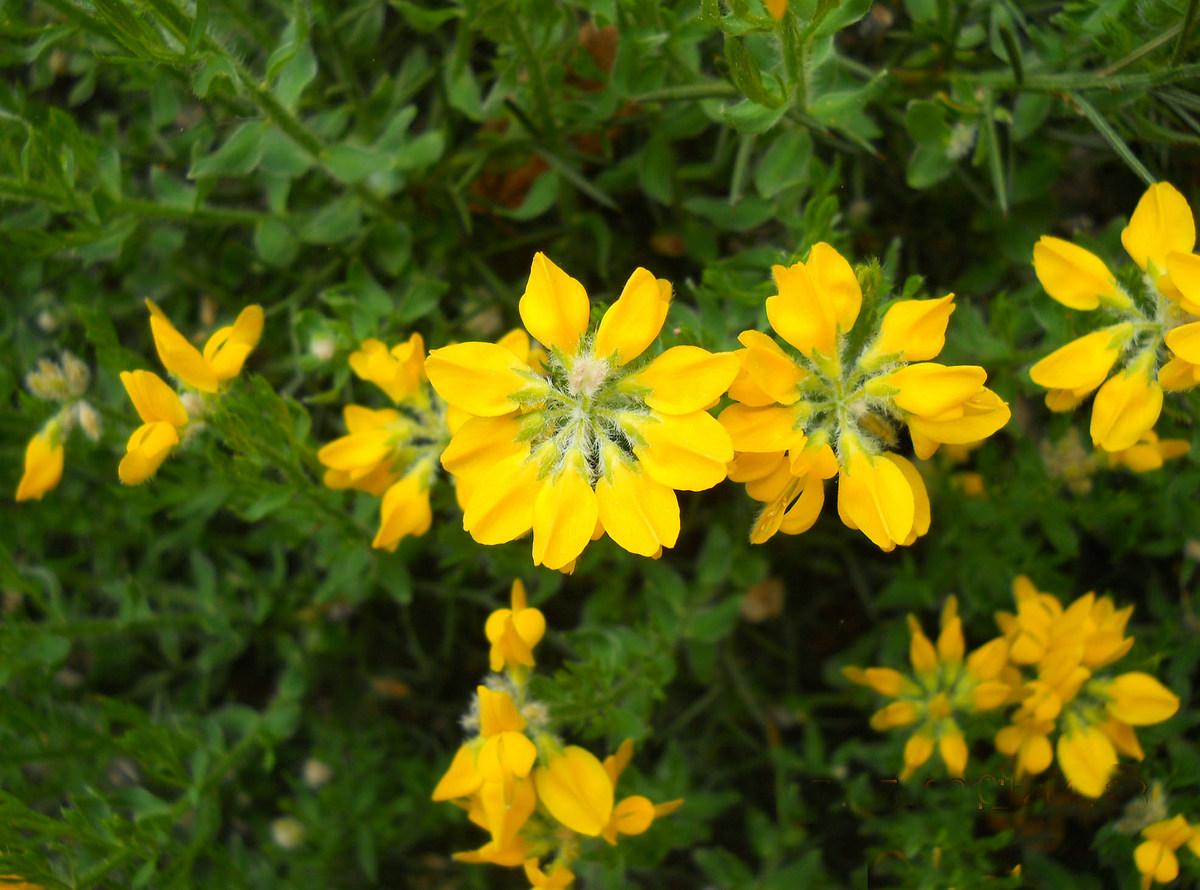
146 449
640 514
497 713
921 652
554 306
771 429
836 283
632 323
931 390
1184 269
986 662
687 378
1184 341
359 453
921 511
501 504
1140 700
915 330
769 368
576 791
777 8
374 363
886 681
404 511
461 779
688 452
1125 408
1162 223
1082 364
564 515
1156 862
43 468
482 378
483 442
1087 759
1075 277
917 750
633 815
875 497
504 755
227 349
896 714
359 419
983 414
1178 374
801 315
803 513
953 749
153 399
179 356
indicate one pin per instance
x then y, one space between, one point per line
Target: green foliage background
173 654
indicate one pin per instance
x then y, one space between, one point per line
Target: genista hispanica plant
325 322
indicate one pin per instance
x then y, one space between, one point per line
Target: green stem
1185 31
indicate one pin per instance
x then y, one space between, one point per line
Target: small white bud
287 832
47 322
76 373
322 348
316 773
88 419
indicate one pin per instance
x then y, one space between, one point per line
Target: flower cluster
943 683
1155 856
1094 715
534 796
1048 663
64 381
166 418
391 453
834 405
1148 318
594 440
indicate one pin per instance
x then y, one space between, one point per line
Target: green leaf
834 15
785 164
239 155
422 151
275 243
354 163
746 74
749 117
540 198
656 172
333 224
423 19
926 122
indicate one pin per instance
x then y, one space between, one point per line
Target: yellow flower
575 789
1149 453
593 441
833 408
1096 714
945 681
777 8
43 464
1155 856
163 419
223 355
391 453
558 878
635 814
514 632
1126 408
1158 318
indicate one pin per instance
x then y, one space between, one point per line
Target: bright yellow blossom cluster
1155 856
1047 662
534 796
1155 317
391 453
64 381
943 683
1094 715
834 406
165 417
596 439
